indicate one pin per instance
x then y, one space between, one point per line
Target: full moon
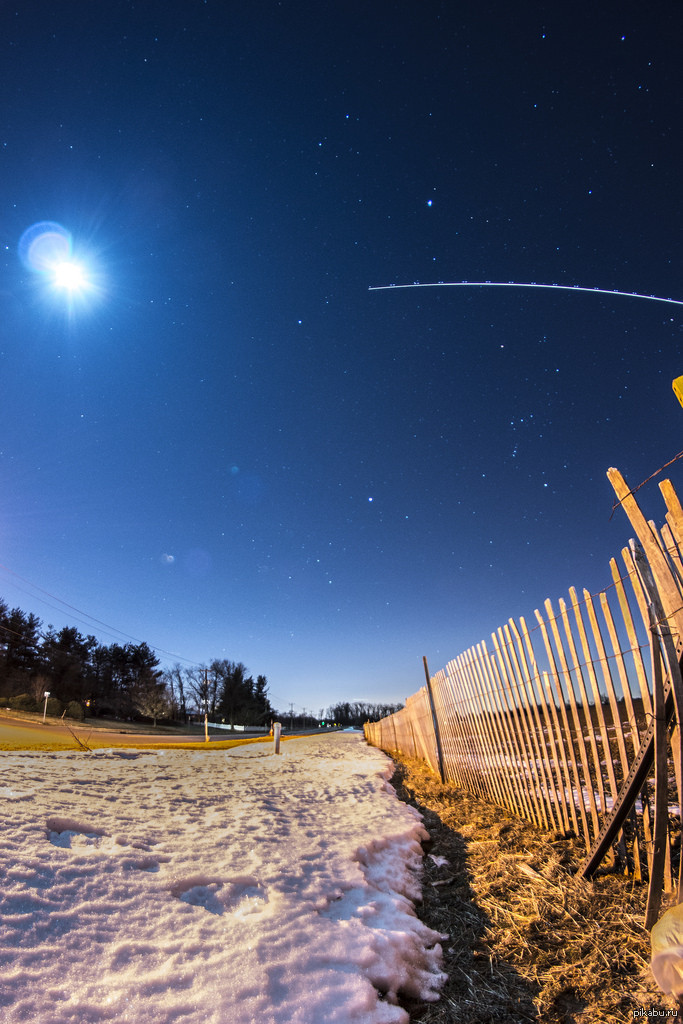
70 276
47 250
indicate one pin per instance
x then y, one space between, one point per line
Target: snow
218 886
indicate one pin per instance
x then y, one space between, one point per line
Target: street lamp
47 694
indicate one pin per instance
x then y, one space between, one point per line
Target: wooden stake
654 892
435 722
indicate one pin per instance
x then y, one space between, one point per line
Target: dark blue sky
231 448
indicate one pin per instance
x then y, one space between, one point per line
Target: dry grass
528 941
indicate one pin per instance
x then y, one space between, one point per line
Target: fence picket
552 730
497 779
471 743
611 703
521 729
634 645
586 788
500 701
522 712
671 548
457 761
573 778
585 700
603 662
667 585
531 705
500 731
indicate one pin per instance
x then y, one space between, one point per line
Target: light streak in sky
532 284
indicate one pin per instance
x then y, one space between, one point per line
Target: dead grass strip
537 944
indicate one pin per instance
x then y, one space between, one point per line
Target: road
19 734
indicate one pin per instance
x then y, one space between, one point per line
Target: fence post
665 582
393 722
435 721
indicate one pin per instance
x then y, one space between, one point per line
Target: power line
106 627
85 616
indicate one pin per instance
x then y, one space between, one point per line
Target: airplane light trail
516 284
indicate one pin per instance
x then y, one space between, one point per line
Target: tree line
84 676
358 712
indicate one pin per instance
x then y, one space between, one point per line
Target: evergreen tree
66 656
236 693
263 710
19 649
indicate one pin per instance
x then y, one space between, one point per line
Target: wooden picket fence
572 722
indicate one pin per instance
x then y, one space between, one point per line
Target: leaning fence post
435 720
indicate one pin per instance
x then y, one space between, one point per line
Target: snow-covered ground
210 887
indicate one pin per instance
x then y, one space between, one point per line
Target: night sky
227 446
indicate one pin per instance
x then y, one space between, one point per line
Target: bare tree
150 697
199 688
175 681
38 685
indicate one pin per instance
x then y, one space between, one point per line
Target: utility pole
206 707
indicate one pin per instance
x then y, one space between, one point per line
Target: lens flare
47 250
44 246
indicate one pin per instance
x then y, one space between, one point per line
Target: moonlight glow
45 246
70 276
47 250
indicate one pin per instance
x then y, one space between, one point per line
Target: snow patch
212 887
